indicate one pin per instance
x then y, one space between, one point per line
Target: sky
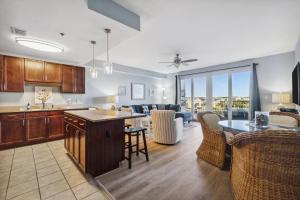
240 85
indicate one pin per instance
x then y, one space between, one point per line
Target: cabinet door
68 79
52 72
1 74
13 74
12 128
82 150
36 125
67 135
80 80
76 145
71 139
34 70
55 126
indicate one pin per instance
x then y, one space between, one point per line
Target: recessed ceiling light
39 44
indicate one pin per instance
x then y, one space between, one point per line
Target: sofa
146 109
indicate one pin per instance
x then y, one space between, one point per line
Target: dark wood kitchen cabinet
42 72
55 121
34 70
73 80
12 128
52 72
36 125
1 73
12 74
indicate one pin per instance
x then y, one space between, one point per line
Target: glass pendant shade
94 73
108 67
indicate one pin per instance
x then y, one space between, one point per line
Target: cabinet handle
75 121
81 124
66 117
45 120
48 119
11 115
23 121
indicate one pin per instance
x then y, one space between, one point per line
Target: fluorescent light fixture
39 44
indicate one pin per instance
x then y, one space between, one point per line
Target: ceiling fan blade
189 60
165 62
185 64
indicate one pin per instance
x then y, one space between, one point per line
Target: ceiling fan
178 61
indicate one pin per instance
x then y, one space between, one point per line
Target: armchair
166 129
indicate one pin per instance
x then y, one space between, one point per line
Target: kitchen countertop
21 109
103 115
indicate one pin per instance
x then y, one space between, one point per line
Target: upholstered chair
213 146
284 119
134 122
266 165
166 129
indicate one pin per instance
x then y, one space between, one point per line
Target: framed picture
122 91
151 92
43 94
137 91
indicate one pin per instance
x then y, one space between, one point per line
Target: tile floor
44 171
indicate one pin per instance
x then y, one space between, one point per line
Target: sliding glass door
220 97
199 95
225 92
241 95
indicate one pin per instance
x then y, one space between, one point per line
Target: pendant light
93 70
107 66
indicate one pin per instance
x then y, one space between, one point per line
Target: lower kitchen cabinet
75 141
55 122
36 125
12 129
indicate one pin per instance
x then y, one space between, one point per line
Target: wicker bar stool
135 132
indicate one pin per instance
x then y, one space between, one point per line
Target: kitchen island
95 138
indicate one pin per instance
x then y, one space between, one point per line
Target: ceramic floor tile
71 170
66 164
96 196
24 170
51 178
44 164
2 194
43 159
22 178
4 181
21 189
66 195
54 188
23 165
48 170
32 195
77 179
85 189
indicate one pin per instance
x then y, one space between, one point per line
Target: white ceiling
214 31
45 19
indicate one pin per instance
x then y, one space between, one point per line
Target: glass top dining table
237 126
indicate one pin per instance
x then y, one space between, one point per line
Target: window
199 100
186 94
220 94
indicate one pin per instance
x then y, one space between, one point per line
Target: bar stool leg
137 143
129 150
145 145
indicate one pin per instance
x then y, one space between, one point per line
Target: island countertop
103 115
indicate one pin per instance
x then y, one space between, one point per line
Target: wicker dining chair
213 146
285 119
266 165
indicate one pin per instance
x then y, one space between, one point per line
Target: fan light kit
178 61
40 45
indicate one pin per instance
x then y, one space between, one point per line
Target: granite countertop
103 115
20 109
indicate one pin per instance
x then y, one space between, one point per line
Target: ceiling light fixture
93 70
39 44
108 66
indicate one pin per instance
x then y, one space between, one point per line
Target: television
296 84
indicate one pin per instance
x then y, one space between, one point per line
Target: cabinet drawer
36 114
75 121
58 112
12 116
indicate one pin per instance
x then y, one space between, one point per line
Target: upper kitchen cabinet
42 72
73 79
34 70
53 72
11 74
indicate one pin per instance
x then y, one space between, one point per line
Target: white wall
274 75
104 85
297 52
